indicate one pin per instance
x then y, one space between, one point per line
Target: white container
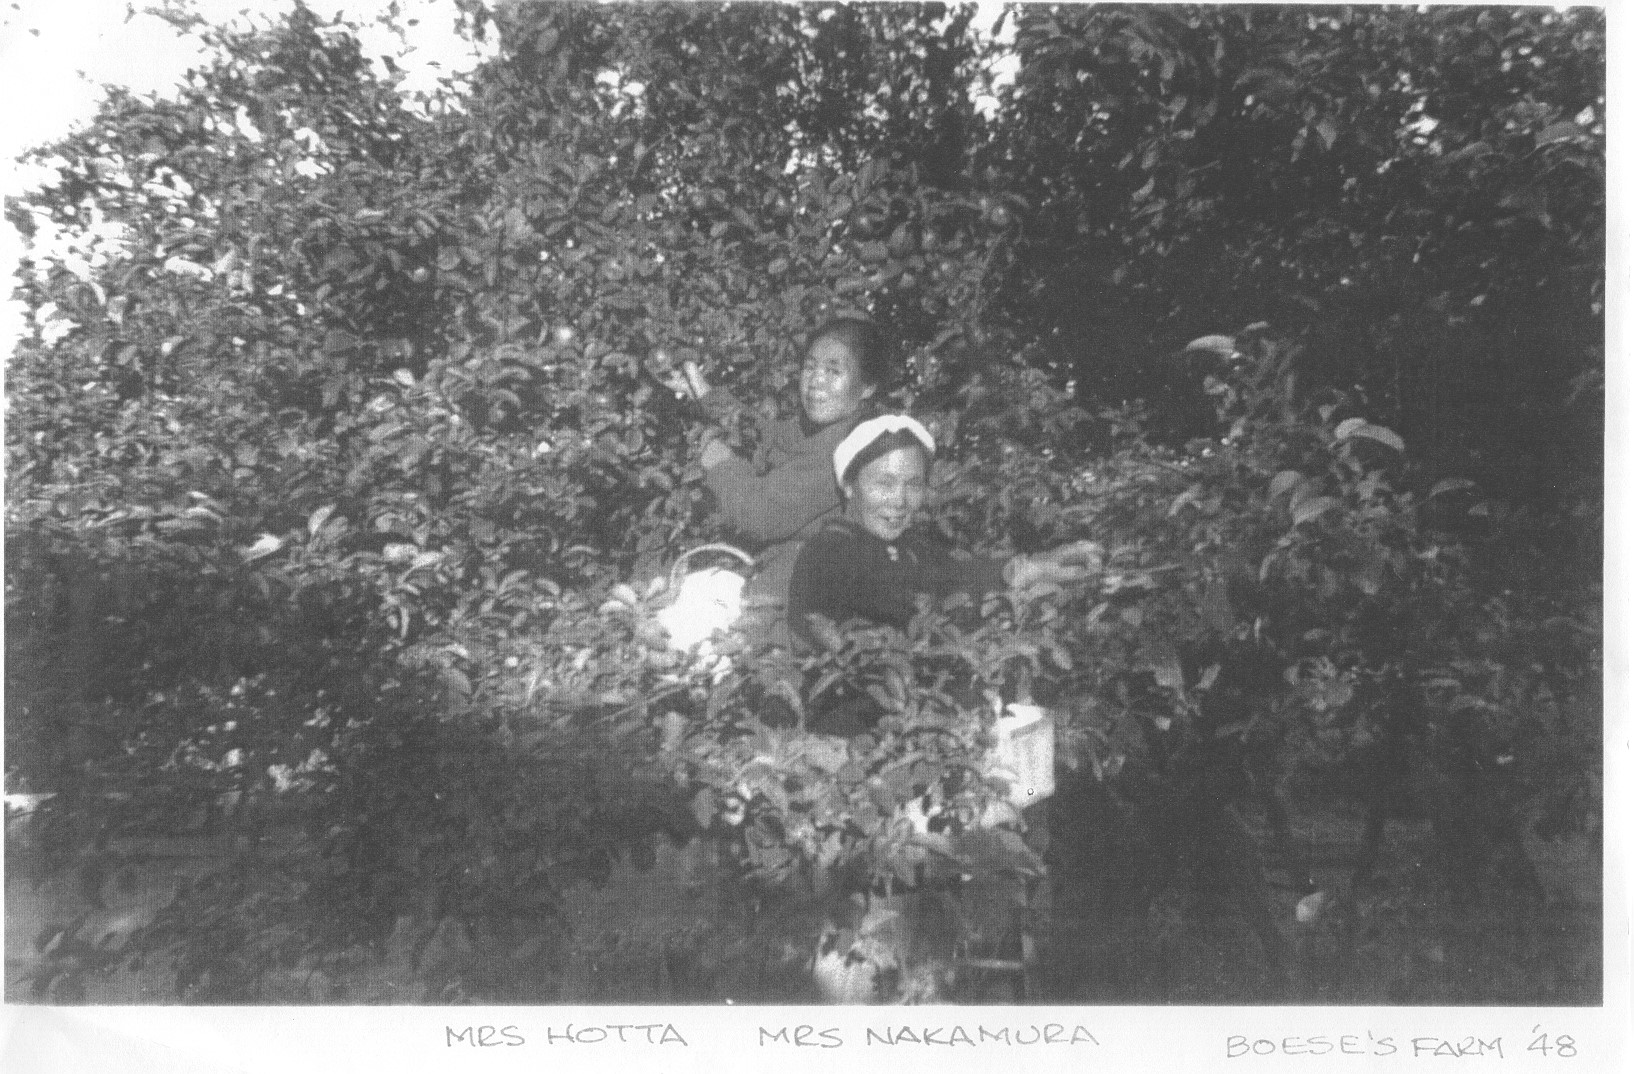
20 818
1024 755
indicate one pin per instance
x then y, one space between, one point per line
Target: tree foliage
1420 194
343 481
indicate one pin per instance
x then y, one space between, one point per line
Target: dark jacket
844 572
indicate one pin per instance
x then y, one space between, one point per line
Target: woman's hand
714 451
1060 566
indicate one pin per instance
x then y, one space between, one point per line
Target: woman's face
831 384
888 492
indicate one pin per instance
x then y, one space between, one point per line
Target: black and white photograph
991 506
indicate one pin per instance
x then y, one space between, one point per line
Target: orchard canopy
342 474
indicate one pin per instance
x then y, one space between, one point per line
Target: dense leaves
344 477
1421 195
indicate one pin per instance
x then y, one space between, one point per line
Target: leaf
703 807
1284 482
1470 152
398 552
825 754
1306 490
1451 484
1180 501
1014 853
1348 427
1351 428
455 678
315 521
265 545
424 559
1313 508
1563 131
1224 346
935 842
1388 437
1166 669
180 266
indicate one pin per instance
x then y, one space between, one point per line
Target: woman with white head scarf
869 564
772 502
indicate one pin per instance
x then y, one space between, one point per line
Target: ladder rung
1012 965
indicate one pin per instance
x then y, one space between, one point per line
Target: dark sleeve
834 578
944 571
778 504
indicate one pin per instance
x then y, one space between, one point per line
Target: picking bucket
1024 755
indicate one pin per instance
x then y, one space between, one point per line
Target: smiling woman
885 497
867 564
778 498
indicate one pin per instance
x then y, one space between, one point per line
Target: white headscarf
872 429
